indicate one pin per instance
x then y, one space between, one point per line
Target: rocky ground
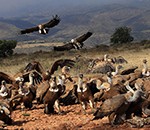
71 119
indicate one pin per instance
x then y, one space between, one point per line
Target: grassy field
17 62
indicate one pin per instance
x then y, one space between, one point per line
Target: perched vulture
76 43
98 66
42 28
119 60
5 112
116 106
9 79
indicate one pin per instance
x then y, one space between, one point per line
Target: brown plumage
61 63
42 28
129 70
100 66
41 91
34 65
9 79
51 97
114 90
119 60
76 43
84 94
117 106
5 111
46 75
26 93
25 100
70 98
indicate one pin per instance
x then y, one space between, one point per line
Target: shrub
121 35
6 47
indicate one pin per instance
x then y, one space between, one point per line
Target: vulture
119 60
47 75
116 106
98 66
9 79
76 43
129 70
42 28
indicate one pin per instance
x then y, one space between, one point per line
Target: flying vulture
76 43
44 27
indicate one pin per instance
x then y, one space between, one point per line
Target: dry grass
14 64
21 45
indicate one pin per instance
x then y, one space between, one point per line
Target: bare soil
71 119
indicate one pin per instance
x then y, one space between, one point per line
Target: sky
10 8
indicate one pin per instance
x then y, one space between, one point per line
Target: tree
121 35
6 47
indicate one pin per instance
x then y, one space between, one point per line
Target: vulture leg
92 105
57 106
111 118
83 104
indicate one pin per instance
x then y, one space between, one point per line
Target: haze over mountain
12 8
77 17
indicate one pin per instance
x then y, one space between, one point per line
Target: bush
6 47
121 35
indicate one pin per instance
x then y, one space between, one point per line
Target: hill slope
101 20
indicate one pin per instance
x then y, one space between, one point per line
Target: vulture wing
102 67
70 98
92 87
129 70
37 76
29 30
6 77
55 21
49 24
109 106
70 45
35 65
61 63
119 60
83 37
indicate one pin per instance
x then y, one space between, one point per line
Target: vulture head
145 61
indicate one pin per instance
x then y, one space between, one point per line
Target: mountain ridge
101 20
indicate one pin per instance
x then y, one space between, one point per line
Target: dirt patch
71 119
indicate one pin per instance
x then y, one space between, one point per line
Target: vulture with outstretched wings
46 75
35 65
76 43
44 27
61 63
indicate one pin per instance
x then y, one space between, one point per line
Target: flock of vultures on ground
121 95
